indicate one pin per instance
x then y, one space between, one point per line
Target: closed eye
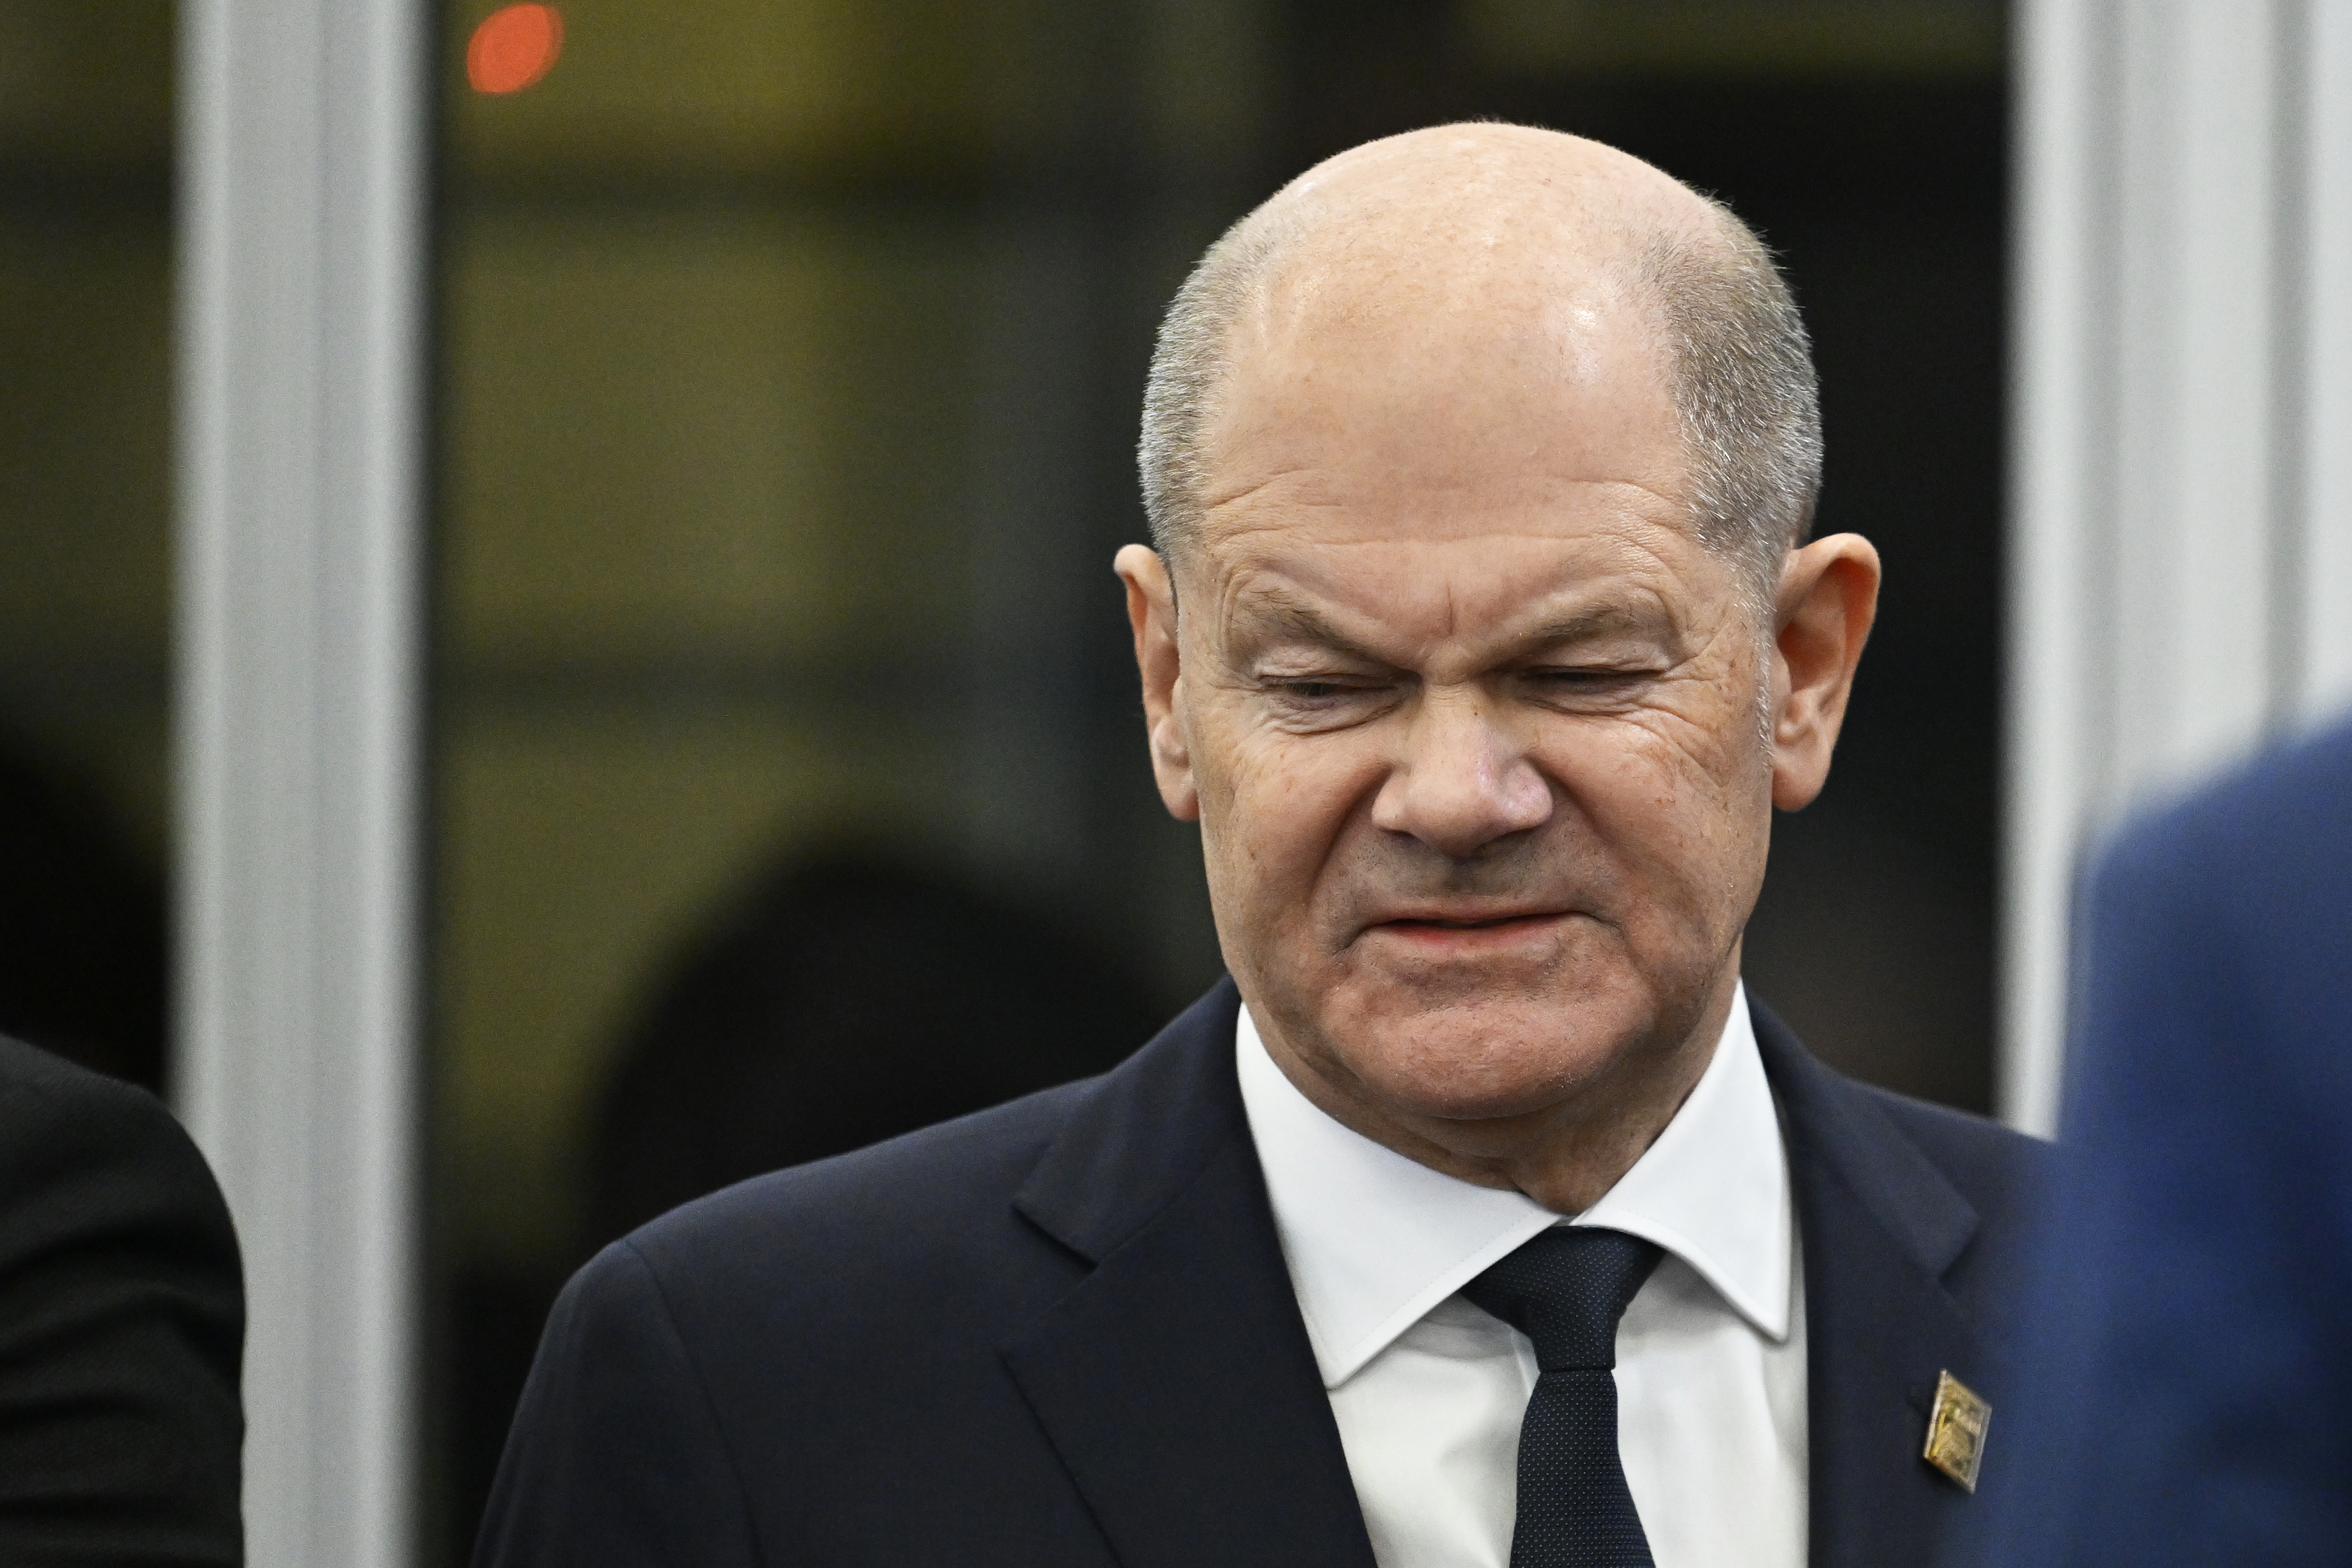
1315 690
1585 680
1323 702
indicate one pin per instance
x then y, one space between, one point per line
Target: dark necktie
1565 1290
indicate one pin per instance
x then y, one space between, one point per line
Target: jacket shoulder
2003 1176
941 1170
65 1127
2280 824
928 1215
2217 937
1984 1159
1892 1136
39 1090
121 1324
819 1326
1017 1193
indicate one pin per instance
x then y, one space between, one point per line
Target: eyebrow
1305 622
1598 620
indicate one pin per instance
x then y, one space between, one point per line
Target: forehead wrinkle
1226 556
1323 480
1254 486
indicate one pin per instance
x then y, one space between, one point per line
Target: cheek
1710 737
1273 807
1681 805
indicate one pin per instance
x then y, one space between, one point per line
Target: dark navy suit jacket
2198 1354
1060 1334
121 1330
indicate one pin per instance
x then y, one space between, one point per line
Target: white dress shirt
1429 1391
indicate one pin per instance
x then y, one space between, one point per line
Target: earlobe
1151 616
1171 765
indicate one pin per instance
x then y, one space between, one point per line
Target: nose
1463 781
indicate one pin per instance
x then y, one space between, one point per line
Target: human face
1478 734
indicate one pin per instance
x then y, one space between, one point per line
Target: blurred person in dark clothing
121 1330
121 1307
2196 1344
850 997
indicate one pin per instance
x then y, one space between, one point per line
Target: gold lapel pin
1955 1430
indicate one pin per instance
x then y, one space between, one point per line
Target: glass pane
790 785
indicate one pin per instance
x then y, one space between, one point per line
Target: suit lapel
1176 1382
1880 1227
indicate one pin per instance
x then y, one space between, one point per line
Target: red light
513 48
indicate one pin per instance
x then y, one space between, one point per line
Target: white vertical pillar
2325 564
2180 502
303 130
2061 415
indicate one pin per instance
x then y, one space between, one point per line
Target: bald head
1516 246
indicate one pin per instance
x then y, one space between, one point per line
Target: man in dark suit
2192 1344
122 1327
1479 1216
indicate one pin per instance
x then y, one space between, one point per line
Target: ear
1821 619
1151 614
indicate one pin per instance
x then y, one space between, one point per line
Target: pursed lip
1459 921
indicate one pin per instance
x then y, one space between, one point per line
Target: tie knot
1565 1290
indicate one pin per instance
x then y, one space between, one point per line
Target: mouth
1470 932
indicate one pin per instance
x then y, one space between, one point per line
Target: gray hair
1743 383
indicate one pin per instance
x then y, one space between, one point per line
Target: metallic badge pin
1955 1430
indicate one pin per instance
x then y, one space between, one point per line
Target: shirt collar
1374 1240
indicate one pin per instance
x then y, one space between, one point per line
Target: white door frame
303 132
2180 520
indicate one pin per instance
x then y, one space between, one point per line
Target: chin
1485 1060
